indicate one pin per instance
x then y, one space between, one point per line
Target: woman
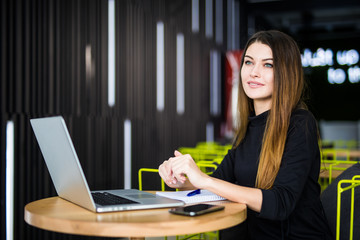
275 163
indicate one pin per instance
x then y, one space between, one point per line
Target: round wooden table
56 214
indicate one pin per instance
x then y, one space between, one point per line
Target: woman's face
257 76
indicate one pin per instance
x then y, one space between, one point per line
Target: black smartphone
197 209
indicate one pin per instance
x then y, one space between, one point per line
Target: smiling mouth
255 84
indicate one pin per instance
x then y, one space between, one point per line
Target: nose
255 71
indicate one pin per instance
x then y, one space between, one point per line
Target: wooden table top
56 214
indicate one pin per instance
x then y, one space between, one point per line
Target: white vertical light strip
180 73
160 67
209 18
210 132
219 21
234 99
195 16
88 62
215 84
9 180
127 154
211 82
111 53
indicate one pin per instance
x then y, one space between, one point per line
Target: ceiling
311 20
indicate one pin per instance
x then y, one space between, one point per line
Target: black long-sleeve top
291 209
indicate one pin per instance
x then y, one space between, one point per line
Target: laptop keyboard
105 198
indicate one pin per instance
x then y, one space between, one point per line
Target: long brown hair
286 96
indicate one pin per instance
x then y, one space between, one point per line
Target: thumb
177 153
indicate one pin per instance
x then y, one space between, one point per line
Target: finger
178 172
184 168
177 153
165 172
169 175
170 170
178 178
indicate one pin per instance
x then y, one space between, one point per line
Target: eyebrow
265 59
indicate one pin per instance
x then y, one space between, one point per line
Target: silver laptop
69 179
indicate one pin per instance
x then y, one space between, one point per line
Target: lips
254 84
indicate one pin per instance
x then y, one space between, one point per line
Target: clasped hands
181 172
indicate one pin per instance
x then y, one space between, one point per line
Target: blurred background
137 79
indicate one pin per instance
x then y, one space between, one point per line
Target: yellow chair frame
206 165
354 182
153 170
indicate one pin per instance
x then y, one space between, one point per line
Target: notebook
69 179
204 196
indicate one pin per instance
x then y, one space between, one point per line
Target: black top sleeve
224 171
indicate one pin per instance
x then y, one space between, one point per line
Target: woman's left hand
184 165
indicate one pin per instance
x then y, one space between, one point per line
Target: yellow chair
207 166
207 151
152 170
324 143
200 236
333 163
335 154
352 144
331 169
209 145
337 167
354 182
194 152
213 148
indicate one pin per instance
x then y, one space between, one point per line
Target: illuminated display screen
327 57
332 71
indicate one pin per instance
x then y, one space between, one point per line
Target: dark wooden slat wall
44 44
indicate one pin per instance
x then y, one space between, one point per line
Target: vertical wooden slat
18 62
10 60
57 57
51 56
43 73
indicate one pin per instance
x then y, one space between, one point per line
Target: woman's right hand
166 173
